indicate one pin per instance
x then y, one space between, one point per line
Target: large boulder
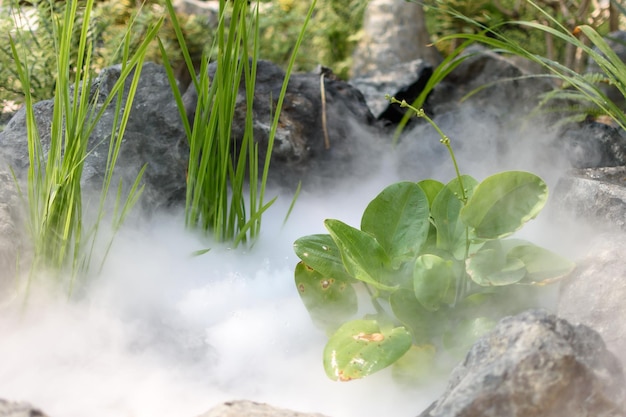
535 364
595 291
154 136
301 151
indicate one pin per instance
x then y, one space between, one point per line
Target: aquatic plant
61 241
220 172
435 263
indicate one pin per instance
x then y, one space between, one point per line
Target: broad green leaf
451 232
399 220
542 265
321 253
503 202
413 316
416 365
360 348
330 301
361 254
489 267
432 277
431 188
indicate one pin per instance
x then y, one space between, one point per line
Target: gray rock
595 291
404 81
394 32
11 236
535 364
14 409
252 409
300 152
594 195
154 136
592 145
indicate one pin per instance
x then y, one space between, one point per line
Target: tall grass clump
62 243
584 90
226 181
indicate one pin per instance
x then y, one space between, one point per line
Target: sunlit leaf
503 202
361 254
321 253
360 348
399 220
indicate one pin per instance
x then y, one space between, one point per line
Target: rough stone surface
252 409
594 195
11 238
299 151
14 409
404 81
595 291
592 145
154 136
535 364
394 32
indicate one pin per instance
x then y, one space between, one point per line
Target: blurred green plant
435 263
107 29
61 242
444 22
219 172
333 34
578 94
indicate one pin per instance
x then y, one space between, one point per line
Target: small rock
13 409
252 409
535 364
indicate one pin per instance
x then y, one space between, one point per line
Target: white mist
162 333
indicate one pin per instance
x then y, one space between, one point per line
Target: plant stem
445 140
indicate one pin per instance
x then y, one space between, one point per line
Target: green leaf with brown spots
360 348
330 301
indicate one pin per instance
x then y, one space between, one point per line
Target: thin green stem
445 140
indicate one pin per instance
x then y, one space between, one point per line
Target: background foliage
330 39
569 13
333 34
